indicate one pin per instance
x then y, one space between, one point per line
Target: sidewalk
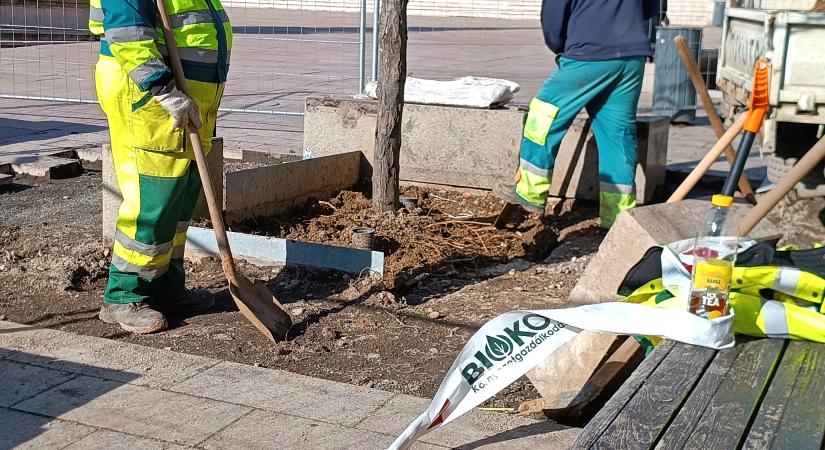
62 390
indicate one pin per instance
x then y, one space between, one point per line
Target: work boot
136 318
507 193
191 301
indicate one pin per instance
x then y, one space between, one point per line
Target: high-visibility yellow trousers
158 181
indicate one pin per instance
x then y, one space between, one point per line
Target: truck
794 42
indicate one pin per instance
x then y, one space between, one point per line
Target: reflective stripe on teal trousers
609 91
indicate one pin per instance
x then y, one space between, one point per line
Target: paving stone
308 397
46 166
21 430
111 440
295 433
472 429
137 410
118 361
22 381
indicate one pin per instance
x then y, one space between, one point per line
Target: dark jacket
594 30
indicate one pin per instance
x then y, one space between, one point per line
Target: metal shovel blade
261 308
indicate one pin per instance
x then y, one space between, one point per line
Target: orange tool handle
759 97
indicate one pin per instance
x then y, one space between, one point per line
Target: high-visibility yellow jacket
767 300
131 33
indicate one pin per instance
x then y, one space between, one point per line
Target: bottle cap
724 201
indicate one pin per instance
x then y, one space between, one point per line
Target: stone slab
92 356
46 166
136 410
112 440
635 231
90 154
5 168
440 144
111 192
474 429
277 189
295 433
265 251
306 397
22 381
24 431
6 181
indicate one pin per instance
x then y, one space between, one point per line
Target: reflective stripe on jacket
131 33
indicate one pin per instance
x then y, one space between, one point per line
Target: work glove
182 109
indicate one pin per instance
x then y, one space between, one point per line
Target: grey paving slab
268 430
281 391
22 381
20 430
118 361
111 440
476 428
136 410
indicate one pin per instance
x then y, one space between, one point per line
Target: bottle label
713 274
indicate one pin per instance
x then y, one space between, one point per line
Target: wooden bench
763 393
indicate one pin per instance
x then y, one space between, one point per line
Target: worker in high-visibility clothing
601 47
153 161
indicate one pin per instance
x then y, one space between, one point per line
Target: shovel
253 298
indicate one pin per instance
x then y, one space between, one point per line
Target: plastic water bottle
714 255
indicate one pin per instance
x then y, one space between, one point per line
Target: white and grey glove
184 110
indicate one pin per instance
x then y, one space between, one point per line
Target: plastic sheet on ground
473 92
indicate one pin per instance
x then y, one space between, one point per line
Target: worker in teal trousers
601 48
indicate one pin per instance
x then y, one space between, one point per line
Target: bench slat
646 416
685 422
602 420
791 415
725 420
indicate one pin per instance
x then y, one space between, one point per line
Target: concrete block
266 251
46 166
111 191
443 145
473 430
308 397
21 430
637 230
247 155
5 168
295 433
270 190
215 162
580 152
135 410
22 381
6 181
130 363
111 440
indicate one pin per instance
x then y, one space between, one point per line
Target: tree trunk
819 6
393 74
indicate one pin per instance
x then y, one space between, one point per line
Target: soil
446 277
448 272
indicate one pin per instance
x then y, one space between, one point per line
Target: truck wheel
779 167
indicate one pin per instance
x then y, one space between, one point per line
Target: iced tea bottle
714 255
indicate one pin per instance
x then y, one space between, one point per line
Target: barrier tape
508 346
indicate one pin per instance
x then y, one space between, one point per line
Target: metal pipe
376 28
362 46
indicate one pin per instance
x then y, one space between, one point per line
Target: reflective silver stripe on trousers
529 167
182 226
140 247
617 188
194 17
95 14
142 72
150 273
130 34
787 280
775 319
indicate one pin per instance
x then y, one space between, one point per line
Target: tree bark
393 74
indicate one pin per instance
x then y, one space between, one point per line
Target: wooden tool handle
794 176
710 109
200 158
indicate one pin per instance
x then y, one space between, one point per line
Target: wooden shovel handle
713 116
200 158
